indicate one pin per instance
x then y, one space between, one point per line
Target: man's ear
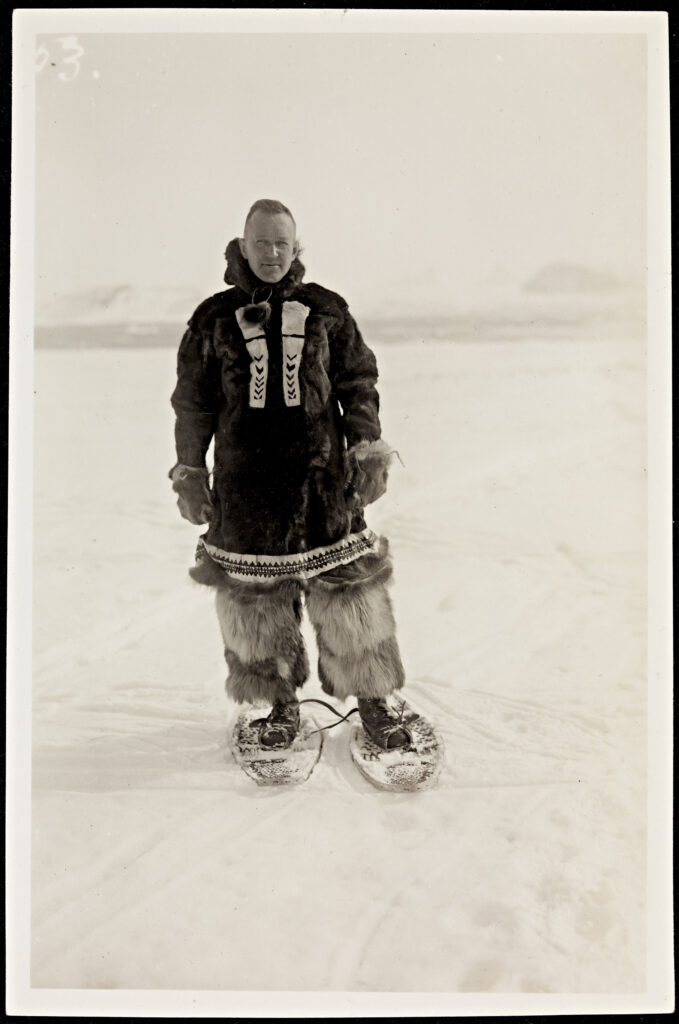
241 245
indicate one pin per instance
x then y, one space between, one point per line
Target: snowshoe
405 767
271 765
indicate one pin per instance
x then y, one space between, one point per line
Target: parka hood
239 273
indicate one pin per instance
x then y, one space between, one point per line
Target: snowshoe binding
395 748
384 726
278 730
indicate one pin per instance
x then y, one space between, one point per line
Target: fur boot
352 614
263 646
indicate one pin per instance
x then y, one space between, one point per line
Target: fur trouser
263 646
351 612
352 615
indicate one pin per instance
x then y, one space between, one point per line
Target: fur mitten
368 470
195 500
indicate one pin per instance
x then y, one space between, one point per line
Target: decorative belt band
303 565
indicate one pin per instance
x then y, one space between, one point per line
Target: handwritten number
71 43
72 52
42 56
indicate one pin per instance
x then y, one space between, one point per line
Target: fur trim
181 472
207 573
246 590
378 451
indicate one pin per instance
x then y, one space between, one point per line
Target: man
277 373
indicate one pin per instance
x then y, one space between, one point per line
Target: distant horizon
553 282
570 321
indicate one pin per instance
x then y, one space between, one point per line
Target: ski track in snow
518 533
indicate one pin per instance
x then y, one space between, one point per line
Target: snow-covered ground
518 528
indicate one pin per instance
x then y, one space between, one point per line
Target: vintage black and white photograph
337 463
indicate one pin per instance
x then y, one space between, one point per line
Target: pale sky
415 164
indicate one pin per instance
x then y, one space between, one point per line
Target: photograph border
21 998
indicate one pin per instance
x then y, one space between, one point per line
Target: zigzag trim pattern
304 565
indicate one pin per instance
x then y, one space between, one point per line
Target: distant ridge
86 336
558 296
120 304
572 278
515 324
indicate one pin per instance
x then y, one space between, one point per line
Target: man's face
269 245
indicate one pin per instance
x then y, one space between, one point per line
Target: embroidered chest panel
293 323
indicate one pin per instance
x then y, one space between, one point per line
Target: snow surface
518 529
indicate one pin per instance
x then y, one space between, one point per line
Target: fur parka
282 380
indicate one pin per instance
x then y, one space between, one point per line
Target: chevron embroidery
294 315
255 343
259 371
294 322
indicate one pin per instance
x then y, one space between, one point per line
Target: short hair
268 206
